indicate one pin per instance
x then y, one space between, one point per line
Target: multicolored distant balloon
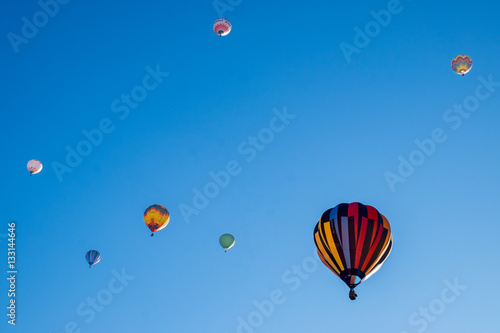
34 166
461 64
92 257
226 241
156 218
222 27
353 241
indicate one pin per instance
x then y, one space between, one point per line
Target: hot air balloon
222 27
92 257
226 241
461 64
156 218
353 240
34 166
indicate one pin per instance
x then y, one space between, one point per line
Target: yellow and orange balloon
156 218
461 64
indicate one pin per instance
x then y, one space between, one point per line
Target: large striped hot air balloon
353 241
461 64
34 166
222 27
156 218
92 257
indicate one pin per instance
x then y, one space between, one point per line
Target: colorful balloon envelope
156 218
92 257
222 27
461 64
226 241
34 166
353 240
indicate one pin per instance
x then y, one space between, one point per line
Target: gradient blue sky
352 122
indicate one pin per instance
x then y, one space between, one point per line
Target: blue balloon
92 257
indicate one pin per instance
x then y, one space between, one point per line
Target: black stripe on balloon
370 259
366 242
363 213
342 210
376 227
352 239
362 210
358 222
380 220
387 251
379 248
326 216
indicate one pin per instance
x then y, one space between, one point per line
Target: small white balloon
222 27
34 166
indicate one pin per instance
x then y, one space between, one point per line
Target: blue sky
332 130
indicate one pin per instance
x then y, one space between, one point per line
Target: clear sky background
348 125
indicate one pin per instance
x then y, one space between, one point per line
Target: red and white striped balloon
222 27
34 166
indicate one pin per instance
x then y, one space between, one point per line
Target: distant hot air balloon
34 166
353 241
226 241
222 27
461 64
92 257
156 218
